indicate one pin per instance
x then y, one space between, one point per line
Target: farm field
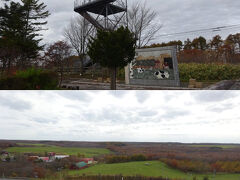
87 152
218 146
154 169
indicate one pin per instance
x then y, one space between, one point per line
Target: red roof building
45 159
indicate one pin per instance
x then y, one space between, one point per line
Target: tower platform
100 7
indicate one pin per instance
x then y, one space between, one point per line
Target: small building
44 159
81 165
61 156
4 153
87 160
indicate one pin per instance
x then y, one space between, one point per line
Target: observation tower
103 14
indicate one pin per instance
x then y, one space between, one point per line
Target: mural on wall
158 67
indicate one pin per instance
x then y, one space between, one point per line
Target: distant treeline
201 50
203 167
125 158
179 152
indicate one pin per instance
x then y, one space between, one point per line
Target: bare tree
78 33
57 54
143 22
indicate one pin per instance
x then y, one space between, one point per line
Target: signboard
154 67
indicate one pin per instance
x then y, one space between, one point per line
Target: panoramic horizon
149 142
121 116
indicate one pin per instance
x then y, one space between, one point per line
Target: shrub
209 72
205 178
121 74
31 79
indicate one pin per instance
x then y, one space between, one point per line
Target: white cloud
177 116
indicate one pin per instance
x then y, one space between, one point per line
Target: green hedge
31 79
209 72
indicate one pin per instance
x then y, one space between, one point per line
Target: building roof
44 158
81 164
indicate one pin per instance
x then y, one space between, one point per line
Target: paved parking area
225 85
90 85
85 85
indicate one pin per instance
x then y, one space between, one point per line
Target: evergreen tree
113 49
34 15
11 28
20 26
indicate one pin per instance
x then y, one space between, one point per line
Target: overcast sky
152 116
174 15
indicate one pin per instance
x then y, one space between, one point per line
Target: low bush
209 72
31 79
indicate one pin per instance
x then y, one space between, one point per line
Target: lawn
218 146
154 169
87 152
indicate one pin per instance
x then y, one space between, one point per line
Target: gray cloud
75 95
220 108
142 96
45 120
118 94
213 96
172 114
15 103
149 113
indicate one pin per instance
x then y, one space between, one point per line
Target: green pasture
87 152
33 145
147 168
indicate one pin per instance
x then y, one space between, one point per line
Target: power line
215 29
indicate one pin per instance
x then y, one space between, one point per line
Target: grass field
155 169
219 146
87 152
33 145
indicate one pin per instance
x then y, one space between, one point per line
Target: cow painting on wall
151 66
